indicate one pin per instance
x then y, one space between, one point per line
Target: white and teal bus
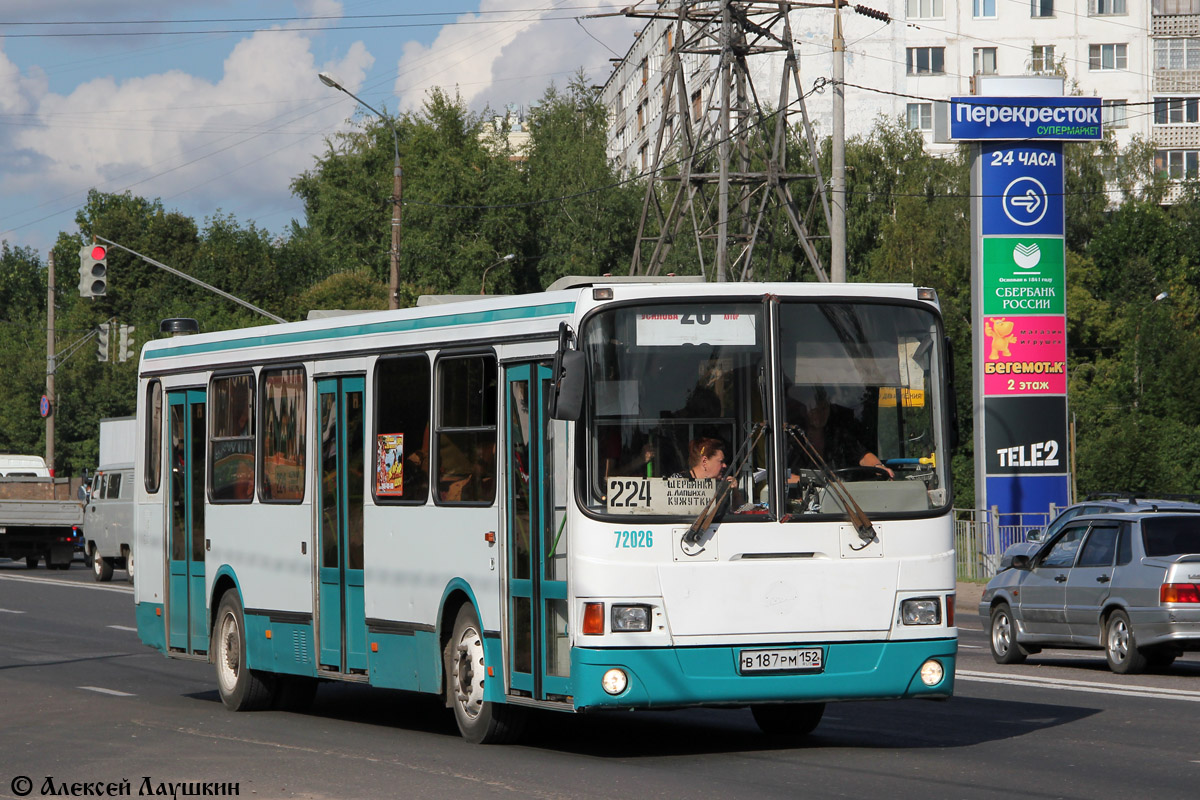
616 494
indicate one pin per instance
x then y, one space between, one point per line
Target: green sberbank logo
1023 275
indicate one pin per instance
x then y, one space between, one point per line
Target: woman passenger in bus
706 459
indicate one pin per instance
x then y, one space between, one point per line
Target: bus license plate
801 659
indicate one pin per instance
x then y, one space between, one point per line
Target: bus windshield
860 401
676 390
679 392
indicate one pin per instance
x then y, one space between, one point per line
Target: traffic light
102 339
125 343
93 270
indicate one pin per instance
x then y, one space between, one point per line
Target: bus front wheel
479 721
241 689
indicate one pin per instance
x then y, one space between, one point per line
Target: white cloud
242 137
512 58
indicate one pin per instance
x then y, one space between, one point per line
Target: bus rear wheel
241 688
479 721
788 719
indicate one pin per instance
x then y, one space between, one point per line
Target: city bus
619 493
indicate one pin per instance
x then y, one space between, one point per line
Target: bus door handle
1060 578
1103 579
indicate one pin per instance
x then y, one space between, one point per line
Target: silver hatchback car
1124 583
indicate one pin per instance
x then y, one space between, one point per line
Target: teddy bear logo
1000 330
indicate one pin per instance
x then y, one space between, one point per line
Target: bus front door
536 465
340 480
187 618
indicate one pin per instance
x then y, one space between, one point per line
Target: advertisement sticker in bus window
389 465
698 327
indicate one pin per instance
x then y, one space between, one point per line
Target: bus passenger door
536 469
187 618
342 620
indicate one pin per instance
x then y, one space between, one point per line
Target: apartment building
1142 57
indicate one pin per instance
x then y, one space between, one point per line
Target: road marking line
102 690
1065 684
123 628
970 646
10 611
60 582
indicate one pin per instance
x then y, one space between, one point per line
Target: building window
281 460
231 439
920 116
1042 58
1172 7
641 116
621 99
402 429
670 39
1106 7
926 60
1041 8
1112 114
923 9
466 435
696 105
1178 165
984 61
1106 56
153 470
645 71
985 8
1177 53
1176 110
642 156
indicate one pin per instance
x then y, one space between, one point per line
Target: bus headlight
614 681
932 673
630 618
921 611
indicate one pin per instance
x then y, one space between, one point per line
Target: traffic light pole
196 281
50 365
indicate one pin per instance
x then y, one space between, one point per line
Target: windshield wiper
858 517
725 487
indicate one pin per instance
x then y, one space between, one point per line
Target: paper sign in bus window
389 465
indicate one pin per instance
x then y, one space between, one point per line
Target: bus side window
402 429
466 433
231 448
281 456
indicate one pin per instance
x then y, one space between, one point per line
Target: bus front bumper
695 676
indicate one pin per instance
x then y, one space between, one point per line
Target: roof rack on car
1129 497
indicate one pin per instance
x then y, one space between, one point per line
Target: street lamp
1137 337
483 282
397 182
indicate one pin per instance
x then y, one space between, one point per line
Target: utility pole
723 114
837 218
708 118
50 365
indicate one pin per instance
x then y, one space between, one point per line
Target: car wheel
788 719
128 562
1120 646
241 689
1002 635
479 721
101 567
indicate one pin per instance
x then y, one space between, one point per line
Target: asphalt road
83 702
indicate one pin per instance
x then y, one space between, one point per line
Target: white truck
39 519
108 521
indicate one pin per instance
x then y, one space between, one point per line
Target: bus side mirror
568 378
566 393
951 393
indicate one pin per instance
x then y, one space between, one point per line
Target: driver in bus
831 432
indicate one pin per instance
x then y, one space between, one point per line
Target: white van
108 521
23 466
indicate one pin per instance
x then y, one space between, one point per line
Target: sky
214 106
